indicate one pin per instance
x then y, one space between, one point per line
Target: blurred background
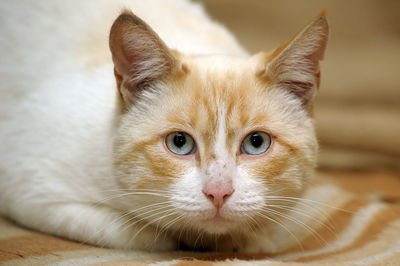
358 107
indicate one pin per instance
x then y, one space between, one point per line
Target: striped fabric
357 223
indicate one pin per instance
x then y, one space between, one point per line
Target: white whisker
319 222
152 222
283 226
308 228
304 201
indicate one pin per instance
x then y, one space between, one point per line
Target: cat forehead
218 62
223 80
220 68
215 75
216 94
219 90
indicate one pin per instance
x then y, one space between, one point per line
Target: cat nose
218 194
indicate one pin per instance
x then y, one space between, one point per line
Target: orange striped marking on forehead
219 100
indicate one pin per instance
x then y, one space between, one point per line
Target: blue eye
180 143
256 143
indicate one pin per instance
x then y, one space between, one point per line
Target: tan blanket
358 222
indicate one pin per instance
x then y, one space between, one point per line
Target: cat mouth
217 224
218 218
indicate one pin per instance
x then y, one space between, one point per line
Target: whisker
200 234
321 211
152 215
233 239
329 226
303 200
119 193
128 221
215 241
165 227
152 222
182 229
283 226
308 228
250 225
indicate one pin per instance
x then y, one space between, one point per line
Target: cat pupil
179 140
256 140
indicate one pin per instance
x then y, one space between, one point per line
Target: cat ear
140 56
295 65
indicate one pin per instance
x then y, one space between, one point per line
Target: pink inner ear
303 90
140 57
296 66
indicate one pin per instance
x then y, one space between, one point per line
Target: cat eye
256 143
180 143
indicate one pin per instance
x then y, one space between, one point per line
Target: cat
174 137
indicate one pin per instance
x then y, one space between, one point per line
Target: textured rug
357 222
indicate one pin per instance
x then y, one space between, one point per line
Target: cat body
93 142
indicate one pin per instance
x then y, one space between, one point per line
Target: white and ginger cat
177 138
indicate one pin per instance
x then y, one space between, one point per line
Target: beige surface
358 108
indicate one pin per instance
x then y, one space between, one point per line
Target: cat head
207 142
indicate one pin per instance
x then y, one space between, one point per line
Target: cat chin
217 225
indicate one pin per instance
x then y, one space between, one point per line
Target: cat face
207 142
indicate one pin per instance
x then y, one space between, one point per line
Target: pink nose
218 194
